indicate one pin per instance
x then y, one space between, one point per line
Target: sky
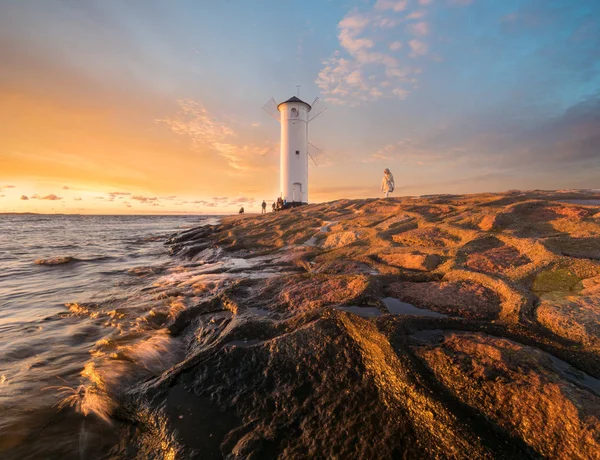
148 106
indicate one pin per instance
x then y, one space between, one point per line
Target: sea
83 303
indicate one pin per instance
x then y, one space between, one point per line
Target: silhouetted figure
387 184
241 210
273 206
264 207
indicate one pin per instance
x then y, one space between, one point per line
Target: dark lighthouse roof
294 99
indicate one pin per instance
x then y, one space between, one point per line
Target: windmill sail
317 108
271 108
316 155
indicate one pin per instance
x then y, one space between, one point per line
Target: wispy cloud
144 199
566 142
418 48
24 197
51 197
241 200
406 151
206 132
419 28
367 67
3 187
120 195
395 5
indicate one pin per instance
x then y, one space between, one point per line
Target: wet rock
56 261
488 373
462 298
301 293
286 365
331 387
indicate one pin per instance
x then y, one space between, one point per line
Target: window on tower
297 152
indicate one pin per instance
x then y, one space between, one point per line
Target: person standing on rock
241 210
387 184
264 207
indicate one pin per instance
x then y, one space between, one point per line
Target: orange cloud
51 197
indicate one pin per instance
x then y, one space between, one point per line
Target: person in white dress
387 184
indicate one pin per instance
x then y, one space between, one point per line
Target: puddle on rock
585 202
574 375
397 307
311 241
259 311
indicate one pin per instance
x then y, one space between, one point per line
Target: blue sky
451 95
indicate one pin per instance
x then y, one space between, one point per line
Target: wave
63 260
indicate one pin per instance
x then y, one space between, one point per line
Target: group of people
387 187
277 205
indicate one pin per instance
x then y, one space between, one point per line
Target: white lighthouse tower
293 159
294 116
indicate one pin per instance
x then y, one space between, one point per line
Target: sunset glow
153 107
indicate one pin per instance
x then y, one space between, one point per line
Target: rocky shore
433 327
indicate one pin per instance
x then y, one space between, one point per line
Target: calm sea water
83 300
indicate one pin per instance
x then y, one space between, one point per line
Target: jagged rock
555 417
277 366
575 317
329 386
